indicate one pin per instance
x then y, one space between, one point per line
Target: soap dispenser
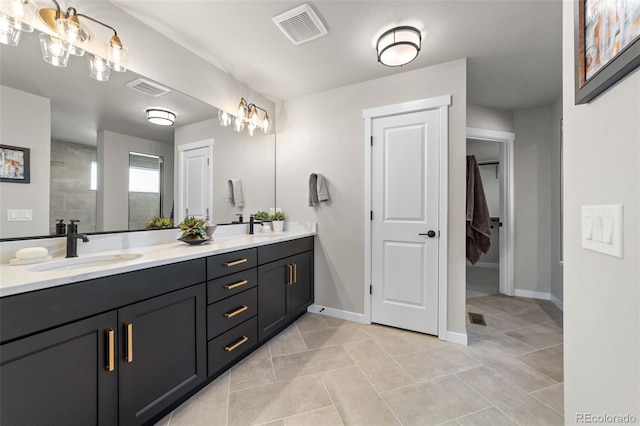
61 227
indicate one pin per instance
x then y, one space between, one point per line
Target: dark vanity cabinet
66 375
123 366
127 349
285 289
232 297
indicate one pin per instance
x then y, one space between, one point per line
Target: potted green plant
277 220
158 222
193 231
262 216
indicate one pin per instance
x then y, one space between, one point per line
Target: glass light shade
238 124
98 68
74 34
54 50
242 109
254 116
9 32
25 13
266 123
224 118
399 46
251 129
117 57
161 117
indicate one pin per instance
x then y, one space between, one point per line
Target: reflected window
145 188
93 185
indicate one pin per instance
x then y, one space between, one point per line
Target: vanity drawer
230 312
229 285
228 263
271 252
234 343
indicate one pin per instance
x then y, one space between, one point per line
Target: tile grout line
333 403
379 395
542 402
482 396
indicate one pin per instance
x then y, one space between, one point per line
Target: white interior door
195 182
404 234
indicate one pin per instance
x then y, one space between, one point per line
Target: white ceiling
513 46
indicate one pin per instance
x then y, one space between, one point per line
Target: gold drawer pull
238 284
129 339
111 337
236 312
295 273
235 345
236 262
290 274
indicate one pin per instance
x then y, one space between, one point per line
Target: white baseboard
337 313
533 294
458 338
484 265
559 303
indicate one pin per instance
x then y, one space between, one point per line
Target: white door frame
179 211
506 140
440 103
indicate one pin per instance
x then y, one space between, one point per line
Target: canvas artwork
14 164
610 27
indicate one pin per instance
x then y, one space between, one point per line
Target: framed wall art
14 164
607 44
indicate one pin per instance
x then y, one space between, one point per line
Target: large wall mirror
88 139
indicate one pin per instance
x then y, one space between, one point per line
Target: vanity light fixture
66 35
161 117
399 46
247 116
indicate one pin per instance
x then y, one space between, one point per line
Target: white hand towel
323 189
235 193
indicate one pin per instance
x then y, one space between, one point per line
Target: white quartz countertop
20 279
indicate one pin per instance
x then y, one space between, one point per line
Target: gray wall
235 155
601 293
71 196
556 204
113 177
25 121
489 118
532 233
324 133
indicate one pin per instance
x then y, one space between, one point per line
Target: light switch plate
19 215
602 229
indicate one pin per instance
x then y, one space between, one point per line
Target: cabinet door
61 377
273 309
301 291
163 352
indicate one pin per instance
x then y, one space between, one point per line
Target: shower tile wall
71 196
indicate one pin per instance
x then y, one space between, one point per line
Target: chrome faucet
73 237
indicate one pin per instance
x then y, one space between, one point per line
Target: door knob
431 233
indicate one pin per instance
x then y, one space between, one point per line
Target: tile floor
325 371
482 281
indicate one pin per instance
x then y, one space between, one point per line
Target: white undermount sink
86 262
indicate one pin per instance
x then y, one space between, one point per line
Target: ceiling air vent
148 87
300 25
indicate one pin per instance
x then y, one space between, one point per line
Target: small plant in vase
278 221
262 216
193 230
159 222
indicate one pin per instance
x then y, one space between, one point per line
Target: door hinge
207 161
370 289
371 140
371 214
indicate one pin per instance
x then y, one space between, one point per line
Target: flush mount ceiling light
399 46
247 116
161 117
65 35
